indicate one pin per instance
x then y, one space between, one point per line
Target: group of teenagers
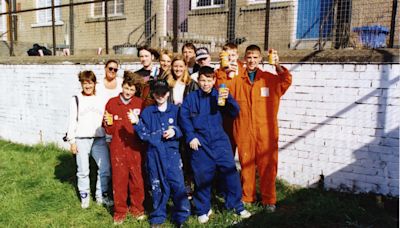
159 132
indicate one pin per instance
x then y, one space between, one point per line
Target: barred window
44 16
198 4
115 8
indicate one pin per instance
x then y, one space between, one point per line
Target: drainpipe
147 19
106 23
71 27
267 10
15 22
53 26
175 25
393 24
231 21
10 29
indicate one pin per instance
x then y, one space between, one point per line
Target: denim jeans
98 148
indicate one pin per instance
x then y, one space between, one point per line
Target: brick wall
342 121
337 120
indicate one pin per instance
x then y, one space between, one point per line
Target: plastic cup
271 56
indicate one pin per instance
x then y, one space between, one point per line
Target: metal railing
291 24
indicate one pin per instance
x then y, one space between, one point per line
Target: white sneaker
204 218
245 214
85 200
141 217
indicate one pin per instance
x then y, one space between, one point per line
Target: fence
83 27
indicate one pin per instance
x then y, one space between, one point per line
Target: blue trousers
166 178
205 163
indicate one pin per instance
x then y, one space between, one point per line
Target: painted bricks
336 120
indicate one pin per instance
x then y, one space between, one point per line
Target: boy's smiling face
128 91
206 83
253 58
232 55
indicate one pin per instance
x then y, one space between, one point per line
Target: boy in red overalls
125 151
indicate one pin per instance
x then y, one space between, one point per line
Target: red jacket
123 136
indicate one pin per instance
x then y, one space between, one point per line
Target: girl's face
88 87
111 71
145 58
128 91
161 99
165 62
178 67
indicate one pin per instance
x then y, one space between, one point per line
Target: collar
155 108
122 103
212 93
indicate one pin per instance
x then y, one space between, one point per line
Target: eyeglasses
113 69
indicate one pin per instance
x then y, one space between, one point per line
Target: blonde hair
167 52
171 77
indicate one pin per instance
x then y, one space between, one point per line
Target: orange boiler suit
223 78
256 130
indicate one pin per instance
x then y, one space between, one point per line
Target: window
200 4
3 21
264 1
314 17
115 8
43 17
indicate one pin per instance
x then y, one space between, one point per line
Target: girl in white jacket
87 137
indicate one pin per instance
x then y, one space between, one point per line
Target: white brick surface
339 120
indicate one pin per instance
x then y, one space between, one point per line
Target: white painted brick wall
338 120
349 126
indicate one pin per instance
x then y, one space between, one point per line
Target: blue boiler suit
164 164
201 118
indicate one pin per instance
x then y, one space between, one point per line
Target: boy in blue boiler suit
158 126
201 121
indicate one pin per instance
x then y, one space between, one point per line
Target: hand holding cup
133 117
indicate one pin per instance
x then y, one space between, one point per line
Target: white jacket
90 117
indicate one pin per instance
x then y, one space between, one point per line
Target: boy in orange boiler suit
255 131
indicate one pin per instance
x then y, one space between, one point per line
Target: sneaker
204 218
141 217
245 214
118 222
85 200
270 208
106 200
189 192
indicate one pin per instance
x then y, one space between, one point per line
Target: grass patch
38 189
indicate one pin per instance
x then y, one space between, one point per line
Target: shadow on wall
376 163
376 168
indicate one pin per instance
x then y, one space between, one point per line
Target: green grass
38 189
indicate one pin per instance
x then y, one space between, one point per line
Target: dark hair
207 72
189 46
160 87
229 46
88 75
253 47
111 61
134 79
149 49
